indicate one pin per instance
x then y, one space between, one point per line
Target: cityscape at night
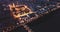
29 15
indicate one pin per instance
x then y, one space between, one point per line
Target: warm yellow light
24 8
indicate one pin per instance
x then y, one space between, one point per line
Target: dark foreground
47 23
